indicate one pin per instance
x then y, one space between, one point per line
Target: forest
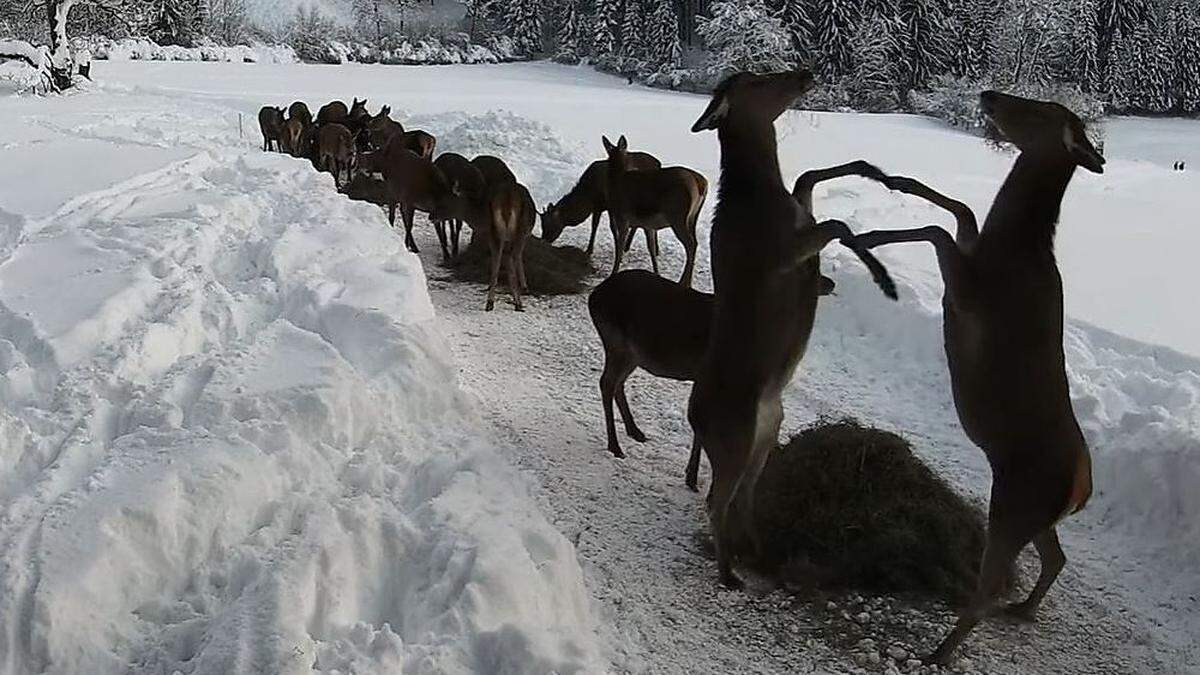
1139 56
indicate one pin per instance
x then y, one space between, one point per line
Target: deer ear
608 146
622 144
1082 151
713 115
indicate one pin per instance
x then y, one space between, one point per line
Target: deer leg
1004 543
651 246
406 212
967 232
620 232
631 426
455 231
514 279
691 478
595 226
951 261
728 464
519 260
497 246
802 191
617 367
1053 560
687 237
770 416
439 226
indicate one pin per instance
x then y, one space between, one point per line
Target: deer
335 149
652 199
512 215
367 188
334 111
468 188
1003 333
298 110
588 197
290 137
381 128
414 184
421 142
647 322
270 122
766 280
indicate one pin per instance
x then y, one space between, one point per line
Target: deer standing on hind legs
1003 328
652 199
766 280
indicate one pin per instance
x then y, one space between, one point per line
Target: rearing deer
766 280
652 199
1003 327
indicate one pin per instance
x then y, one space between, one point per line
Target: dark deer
647 322
414 184
1003 314
468 189
589 197
298 110
381 128
652 199
766 278
270 122
335 149
334 111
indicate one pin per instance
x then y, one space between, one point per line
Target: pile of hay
549 269
845 506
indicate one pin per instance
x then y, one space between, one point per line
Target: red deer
381 128
766 279
589 197
420 142
270 122
299 111
512 218
1003 329
414 184
468 188
334 111
289 139
653 199
335 148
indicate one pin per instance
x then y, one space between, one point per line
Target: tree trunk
62 61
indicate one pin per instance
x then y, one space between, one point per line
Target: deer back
494 169
334 111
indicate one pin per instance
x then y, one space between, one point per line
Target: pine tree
525 26
835 25
797 17
664 34
568 35
875 80
633 38
971 27
604 21
1186 41
924 41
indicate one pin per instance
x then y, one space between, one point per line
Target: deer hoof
519 308
490 306
1019 612
692 484
732 581
616 451
637 435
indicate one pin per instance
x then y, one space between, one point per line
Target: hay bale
549 269
846 506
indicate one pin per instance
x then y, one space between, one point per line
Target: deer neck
749 159
1027 207
576 206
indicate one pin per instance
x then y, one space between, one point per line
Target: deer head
552 223
754 97
1041 127
618 155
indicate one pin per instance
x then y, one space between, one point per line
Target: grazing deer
290 138
414 184
335 148
270 121
494 170
589 197
766 278
298 110
367 188
652 199
468 189
1003 315
334 111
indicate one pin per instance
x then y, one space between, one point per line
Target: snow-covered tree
797 17
972 23
745 36
226 21
835 26
176 22
568 35
604 22
924 41
664 34
1185 22
876 79
633 27
1025 40
525 25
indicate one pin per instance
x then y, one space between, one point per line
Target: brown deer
513 215
468 189
1003 327
367 188
335 148
381 128
298 110
421 142
652 199
290 137
270 122
414 184
334 111
766 278
647 322
589 197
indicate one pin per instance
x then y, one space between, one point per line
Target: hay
549 269
845 506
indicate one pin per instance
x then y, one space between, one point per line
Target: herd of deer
740 345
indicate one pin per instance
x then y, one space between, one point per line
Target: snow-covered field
238 436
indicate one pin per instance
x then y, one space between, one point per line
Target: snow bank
142 49
231 442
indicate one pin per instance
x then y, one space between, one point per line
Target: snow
234 439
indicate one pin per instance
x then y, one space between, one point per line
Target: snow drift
233 444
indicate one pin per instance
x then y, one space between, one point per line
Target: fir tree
797 17
1186 42
835 25
525 26
664 34
568 35
745 36
604 21
875 80
633 38
924 41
